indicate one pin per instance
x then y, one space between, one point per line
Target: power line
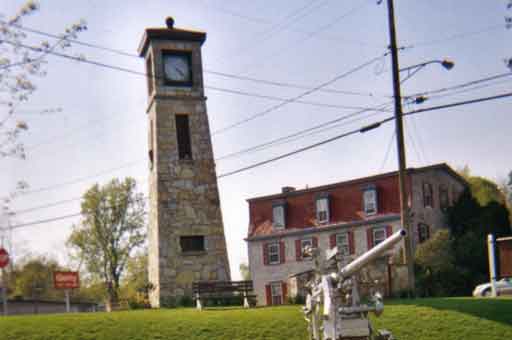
308 36
23 225
298 133
293 99
388 151
80 179
218 73
284 101
363 129
458 36
460 86
289 85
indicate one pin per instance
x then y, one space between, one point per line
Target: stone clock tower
186 233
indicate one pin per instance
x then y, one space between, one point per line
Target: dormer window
370 200
278 216
322 208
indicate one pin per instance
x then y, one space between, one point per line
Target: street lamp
412 70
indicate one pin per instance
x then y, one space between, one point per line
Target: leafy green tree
435 262
32 277
135 285
113 227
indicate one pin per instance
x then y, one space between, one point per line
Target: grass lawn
440 319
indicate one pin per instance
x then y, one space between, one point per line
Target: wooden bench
209 290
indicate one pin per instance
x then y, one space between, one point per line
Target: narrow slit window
183 134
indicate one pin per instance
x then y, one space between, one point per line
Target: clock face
177 69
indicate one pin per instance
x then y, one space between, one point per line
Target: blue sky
103 122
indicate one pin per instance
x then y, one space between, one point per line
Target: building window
276 289
444 201
370 201
427 195
278 218
151 143
183 134
322 210
423 232
273 253
192 243
307 242
343 244
379 235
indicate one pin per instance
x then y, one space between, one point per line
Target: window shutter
268 293
389 231
298 250
281 252
369 238
332 240
351 246
315 242
265 254
284 289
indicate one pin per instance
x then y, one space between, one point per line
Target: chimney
286 190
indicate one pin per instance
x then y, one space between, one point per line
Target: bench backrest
221 286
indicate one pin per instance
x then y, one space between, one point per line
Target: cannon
333 308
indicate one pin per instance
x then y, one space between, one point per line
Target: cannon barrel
363 260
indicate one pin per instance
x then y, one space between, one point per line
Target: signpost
66 281
4 261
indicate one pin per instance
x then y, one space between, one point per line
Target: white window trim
310 241
375 230
274 224
374 212
347 244
327 212
278 246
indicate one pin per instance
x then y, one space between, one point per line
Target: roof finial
169 21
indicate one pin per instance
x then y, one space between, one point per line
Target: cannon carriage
333 308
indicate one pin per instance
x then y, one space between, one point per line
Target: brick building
355 215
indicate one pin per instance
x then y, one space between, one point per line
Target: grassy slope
445 319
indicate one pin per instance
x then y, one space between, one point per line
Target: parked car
503 287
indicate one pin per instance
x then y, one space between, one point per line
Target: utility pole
404 209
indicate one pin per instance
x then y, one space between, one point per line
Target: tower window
183 134
192 243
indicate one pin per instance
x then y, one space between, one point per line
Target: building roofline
444 166
321 229
174 34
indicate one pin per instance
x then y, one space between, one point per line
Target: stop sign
4 258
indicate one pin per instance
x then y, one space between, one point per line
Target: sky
101 132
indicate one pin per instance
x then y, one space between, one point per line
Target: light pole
404 209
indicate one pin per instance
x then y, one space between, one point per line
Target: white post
491 244
199 305
68 309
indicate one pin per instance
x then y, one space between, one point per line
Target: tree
244 271
135 285
32 277
435 262
112 228
20 64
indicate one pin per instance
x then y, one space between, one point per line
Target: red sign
66 280
4 258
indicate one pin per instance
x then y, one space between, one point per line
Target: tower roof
169 33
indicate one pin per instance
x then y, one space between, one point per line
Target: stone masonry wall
184 198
